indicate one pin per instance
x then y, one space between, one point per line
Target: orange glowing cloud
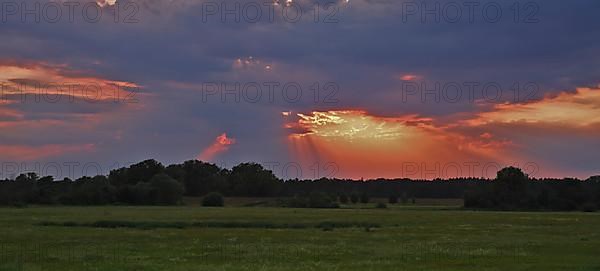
357 125
581 108
365 145
29 120
43 79
566 124
221 144
368 146
58 89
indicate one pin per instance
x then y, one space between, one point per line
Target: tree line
151 183
514 190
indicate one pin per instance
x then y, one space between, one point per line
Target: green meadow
411 237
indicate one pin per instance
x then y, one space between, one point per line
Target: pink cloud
29 153
40 78
409 77
221 144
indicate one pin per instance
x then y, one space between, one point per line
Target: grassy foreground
241 238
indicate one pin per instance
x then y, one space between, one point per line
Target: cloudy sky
350 89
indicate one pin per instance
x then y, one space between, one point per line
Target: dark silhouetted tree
140 172
213 199
166 190
510 188
91 191
251 179
199 177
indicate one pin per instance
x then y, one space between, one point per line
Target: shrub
320 200
364 198
589 207
381 205
314 200
354 198
213 199
297 202
19 204
393 199
343 199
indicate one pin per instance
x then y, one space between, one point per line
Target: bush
343 199
381 205
589 207
314 200
364 198
354 198
296 202
320 200
19 204
393 199
213 199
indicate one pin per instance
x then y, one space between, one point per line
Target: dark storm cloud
365 52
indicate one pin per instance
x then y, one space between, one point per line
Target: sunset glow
357 141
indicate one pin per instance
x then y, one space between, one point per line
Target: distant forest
151 183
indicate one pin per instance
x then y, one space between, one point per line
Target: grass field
261 238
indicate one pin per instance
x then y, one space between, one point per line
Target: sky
346 89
